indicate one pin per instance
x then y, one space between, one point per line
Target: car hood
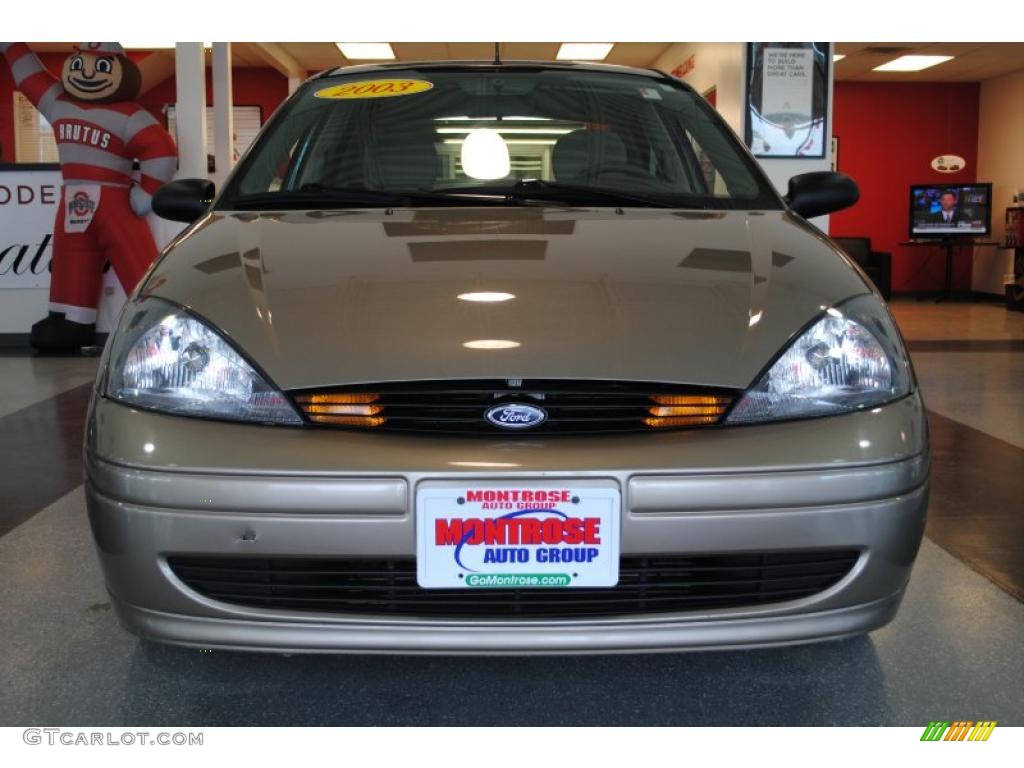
319 298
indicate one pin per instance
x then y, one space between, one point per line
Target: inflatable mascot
100 130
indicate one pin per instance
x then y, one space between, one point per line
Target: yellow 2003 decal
374 89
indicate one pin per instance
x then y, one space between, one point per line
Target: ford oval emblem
516 416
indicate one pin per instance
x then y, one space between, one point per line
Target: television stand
949 245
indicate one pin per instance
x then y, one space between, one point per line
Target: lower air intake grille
523 406
387 587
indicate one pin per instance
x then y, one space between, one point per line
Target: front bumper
160 485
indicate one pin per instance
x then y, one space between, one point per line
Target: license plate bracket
517 535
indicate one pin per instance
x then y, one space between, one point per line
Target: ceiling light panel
584 51
366 51
911 63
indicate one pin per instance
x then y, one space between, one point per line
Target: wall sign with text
787 99
28 204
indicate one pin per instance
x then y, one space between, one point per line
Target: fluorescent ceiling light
510 118
541 131
154 46
510 140
584 51
838 57
359 51
911 63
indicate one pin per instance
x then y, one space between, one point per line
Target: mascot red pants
95 224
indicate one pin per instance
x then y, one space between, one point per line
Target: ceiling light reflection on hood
486 296
491 344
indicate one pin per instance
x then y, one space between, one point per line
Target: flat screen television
950 210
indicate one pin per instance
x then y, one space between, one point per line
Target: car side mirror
184 200
820 192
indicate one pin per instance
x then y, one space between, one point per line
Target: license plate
517 536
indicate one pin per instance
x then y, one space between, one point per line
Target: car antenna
497 53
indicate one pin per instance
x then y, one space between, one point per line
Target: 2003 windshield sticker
374 89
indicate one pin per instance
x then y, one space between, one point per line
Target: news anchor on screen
949 212
964 210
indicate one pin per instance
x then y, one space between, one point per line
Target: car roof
470 65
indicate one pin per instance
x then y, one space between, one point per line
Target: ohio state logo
81 204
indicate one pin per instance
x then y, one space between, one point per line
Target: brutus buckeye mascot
100 130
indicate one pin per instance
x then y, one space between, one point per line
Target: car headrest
582 152
405 157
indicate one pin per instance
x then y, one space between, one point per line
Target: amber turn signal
357 398
345 410
686 410
348 421
722 400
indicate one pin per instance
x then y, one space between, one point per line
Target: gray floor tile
25 381
984 390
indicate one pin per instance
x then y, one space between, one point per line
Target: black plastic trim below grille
387 587
573 406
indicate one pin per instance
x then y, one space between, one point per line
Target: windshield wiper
538 189
316 195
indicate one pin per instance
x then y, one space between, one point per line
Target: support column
223 113
294 81
190 110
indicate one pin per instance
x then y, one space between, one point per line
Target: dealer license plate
526 535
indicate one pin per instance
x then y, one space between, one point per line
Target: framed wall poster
787 99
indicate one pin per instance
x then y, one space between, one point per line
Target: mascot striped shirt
97 142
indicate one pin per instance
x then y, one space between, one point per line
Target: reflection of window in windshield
487 130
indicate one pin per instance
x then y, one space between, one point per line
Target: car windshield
496 135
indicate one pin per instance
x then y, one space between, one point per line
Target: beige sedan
504 358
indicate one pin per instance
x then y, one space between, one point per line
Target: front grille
569 407
387 587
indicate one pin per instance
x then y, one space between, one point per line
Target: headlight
849 359
166 360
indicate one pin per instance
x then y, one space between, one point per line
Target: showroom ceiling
971 62
323 55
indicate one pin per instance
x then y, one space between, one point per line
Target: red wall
888 134
251 86
53 62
